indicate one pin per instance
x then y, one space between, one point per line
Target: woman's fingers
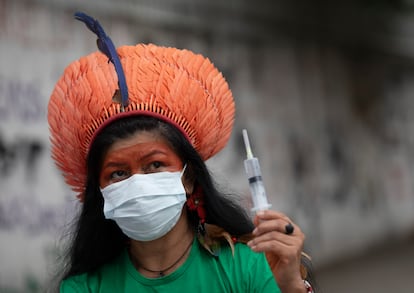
267 221
276 232
269 215
275 240
279 225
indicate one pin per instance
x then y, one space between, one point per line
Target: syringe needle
247 144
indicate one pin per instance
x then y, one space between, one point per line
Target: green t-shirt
246 271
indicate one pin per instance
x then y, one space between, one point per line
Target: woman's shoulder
237 255
242 269
77 283
240 252
105 277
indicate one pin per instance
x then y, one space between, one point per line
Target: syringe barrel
256 185
252 167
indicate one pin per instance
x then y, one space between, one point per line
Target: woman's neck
164 255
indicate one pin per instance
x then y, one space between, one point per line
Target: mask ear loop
183 170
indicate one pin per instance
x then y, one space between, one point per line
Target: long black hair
97 241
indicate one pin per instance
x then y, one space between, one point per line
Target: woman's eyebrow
112 164
154 152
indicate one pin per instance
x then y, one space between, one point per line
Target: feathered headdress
177 86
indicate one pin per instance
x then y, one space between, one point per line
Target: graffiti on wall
19 205
26 151
20 101
23 150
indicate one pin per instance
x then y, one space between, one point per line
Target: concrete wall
331 126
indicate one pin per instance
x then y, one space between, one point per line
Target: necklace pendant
161 274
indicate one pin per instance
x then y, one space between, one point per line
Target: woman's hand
283 250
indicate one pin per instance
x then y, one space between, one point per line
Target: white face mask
145 206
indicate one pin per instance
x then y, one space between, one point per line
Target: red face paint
142 153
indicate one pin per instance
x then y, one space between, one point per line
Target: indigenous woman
131 130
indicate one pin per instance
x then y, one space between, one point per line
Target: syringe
257 189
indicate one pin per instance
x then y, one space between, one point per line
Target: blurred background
324 88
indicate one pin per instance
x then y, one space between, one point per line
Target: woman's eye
153 167
118 175
156 165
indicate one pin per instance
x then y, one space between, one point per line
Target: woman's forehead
140 138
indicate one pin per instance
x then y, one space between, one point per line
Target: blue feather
106 46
